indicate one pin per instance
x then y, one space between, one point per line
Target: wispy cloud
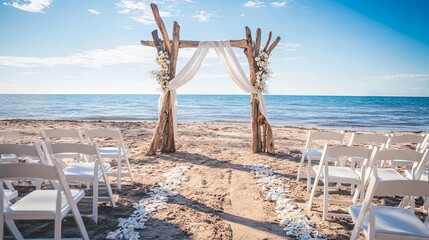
140 11
292 58
288 46
189 1
36 6
91 58
279 4
400 76
93 11
242 15
203 16
254 4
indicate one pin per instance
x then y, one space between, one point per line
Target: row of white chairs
373 177
55 200
316 139
118 152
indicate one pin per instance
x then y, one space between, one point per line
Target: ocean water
353 113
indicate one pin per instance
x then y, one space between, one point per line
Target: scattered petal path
157 200
296 223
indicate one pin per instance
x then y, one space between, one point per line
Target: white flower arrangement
296 223
262 72
163 74
157 201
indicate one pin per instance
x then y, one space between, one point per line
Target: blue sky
339 47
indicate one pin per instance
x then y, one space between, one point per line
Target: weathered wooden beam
194 44
174 49
157 135
268 41
250 57
257 42
161 27
156 40
271 48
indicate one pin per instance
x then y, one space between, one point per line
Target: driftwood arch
163 137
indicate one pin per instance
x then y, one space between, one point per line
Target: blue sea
353 113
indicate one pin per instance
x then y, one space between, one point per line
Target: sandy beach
219 201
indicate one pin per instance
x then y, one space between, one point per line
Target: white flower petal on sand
157 201
296 223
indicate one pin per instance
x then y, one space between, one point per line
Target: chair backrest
323 137
105 133
14 171
10 136
27 150
89 151
62 134
346 151
368 139
414 139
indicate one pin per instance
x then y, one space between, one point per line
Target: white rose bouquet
163 74
262 72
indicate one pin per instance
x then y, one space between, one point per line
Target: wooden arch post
163 137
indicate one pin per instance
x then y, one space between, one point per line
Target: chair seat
9 157
400 162
111 152
314 154
423 177
389 174
392 221
340 174
41 203
83 171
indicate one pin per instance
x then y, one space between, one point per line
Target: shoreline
350 129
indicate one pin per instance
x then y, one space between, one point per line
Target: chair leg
118 173
1 226
313 191
325 199
13 229
79 222
129 167
95 201
109 189
308 175
57 233
300 166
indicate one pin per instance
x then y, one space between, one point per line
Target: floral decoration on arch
163 74
262 72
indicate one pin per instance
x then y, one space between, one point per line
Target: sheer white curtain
229 60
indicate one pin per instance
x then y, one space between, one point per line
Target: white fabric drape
228 59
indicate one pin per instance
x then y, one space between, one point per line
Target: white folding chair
63 135
312 153
39 204
385 222
413 140
10 136
88 172
367 140
339 175
118 152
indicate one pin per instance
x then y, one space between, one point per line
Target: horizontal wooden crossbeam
194 44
